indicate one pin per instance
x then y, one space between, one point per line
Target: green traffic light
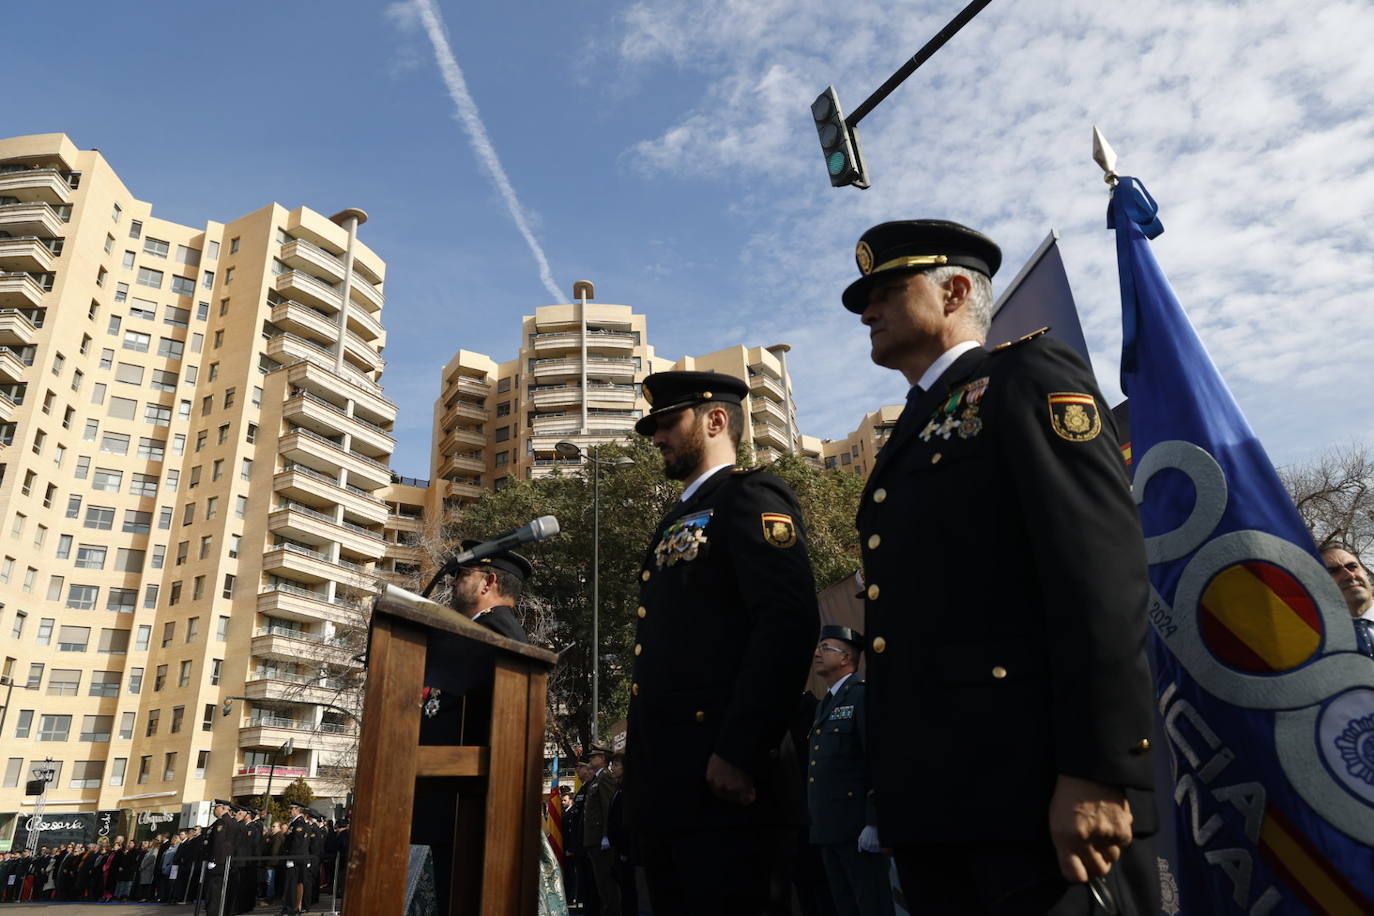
835 162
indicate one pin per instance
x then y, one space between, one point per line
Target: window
200 439
129 373
90 556
188 256
6 570
212 250
145 763
83 467
105 683
192 629
154 716
144 309
12 769
114 444
113 642
143 485
169 632
207 722
97 728
503 409
81 598
121 600
197 588
18 527
197 342
173 478
121 292
128 559
164 517
98 393
20 618
152 449
177 318
211 507
123 408
109 243
163 380
135 685
223 436
215 665
257 395
169 348
240 506
189 514
194 480
155 247
159 556
107 480
252 433
45 628
219 339
169 766
86 774
183 286
234 245
217 469
117 771
54 728
74 639
143 637
149 277
246 469
25 723
184 674
157 415
222 628
229 397
502 433
137 522
207 280
113 327
159 678
228 591
128 262
135 226
101 518
150 595
178 713
35 676
64 682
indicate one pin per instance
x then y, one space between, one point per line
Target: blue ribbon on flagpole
1133 204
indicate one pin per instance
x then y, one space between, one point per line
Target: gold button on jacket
879 644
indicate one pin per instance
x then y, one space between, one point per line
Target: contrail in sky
466 111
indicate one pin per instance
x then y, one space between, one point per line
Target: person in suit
1352 578
726 621
1008 694
595 839
844 823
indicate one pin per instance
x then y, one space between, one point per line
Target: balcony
28 253
298 285
618 395
7 408
270 734
556 396
311 566
365 294
291 602
363 357
410 523
365 326
763 409
467 409
16 330
305 485
253 781
368 402
405 553
464 464
320 416
600 366
760 381
313 260
20 291
595 436
306 322
282 688
770 434
303 524
461 438
11 366
567 423
31 219
559 341
470 491
310 449
47 186
467 385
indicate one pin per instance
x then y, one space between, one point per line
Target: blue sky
664 151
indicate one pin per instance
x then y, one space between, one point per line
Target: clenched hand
1090 823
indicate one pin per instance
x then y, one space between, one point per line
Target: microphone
542 528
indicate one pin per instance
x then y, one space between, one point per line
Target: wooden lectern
497 842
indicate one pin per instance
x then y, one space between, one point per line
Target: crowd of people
300 859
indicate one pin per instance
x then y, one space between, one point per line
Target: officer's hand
728 782
1090 823
868 839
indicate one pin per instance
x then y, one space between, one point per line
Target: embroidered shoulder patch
778 529
1074 416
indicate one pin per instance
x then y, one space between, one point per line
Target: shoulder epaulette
1018 341
739 470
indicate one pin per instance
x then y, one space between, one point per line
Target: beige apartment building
194 494
857 451
576 379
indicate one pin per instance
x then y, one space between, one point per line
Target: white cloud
1251 123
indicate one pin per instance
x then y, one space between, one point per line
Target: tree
557 606
1334 494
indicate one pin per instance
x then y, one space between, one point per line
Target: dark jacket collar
908 428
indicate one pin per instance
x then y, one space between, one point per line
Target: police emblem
1074 416
431 704
864 255
778 529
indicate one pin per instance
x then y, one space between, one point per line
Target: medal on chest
683 540
958 413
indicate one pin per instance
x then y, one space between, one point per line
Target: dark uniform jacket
597 813
501 620
296 842
727 622
1005 603
837 779
223 839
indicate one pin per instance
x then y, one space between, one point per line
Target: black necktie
1364 635
908 416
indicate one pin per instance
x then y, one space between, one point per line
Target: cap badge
778 529
864 255
1074 416
648 394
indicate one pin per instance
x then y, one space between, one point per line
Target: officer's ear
957 289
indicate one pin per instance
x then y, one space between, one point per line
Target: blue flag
1267 707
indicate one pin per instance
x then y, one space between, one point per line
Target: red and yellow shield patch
1074 416
779 530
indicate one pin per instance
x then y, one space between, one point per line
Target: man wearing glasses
844 823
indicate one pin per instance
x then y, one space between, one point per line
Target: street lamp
572 450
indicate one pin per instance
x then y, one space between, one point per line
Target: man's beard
461 601
688 457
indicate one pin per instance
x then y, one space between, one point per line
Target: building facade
194 493
857 451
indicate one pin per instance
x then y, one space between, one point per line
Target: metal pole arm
921 56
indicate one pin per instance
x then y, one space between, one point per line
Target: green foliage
297 791
557 604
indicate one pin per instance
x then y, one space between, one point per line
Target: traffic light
839 144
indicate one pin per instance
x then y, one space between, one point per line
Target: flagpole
1105 156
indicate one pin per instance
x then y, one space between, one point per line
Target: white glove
605 844
868 840
210 865
290 864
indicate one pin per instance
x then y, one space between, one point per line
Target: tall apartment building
857 451
193 492
577 379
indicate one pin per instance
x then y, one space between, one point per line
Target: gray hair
979 304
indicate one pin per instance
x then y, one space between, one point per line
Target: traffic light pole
920 57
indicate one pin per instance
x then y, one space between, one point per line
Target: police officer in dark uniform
1008 691
249 844
223 842
726 622
314 850
295 848
844 823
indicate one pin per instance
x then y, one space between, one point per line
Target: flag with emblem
553 815
1267 707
